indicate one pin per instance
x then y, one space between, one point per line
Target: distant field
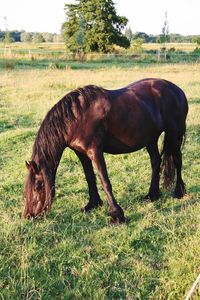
61 46
178 46
29 54
47 46
71 255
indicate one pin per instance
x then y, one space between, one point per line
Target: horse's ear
32 166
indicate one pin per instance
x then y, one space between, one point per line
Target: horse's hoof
179 192
117 216
117 221
90 206
151 197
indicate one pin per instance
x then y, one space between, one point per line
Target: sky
143 15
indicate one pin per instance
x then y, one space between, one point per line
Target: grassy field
52 55
72 255
61 46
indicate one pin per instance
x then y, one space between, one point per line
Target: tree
141 35
196 40
26 37
15 35
80 35
8 38
137 44
164 37
1 36
128 33
93 25
37 38
48 37
57 38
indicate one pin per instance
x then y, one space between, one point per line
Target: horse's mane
51 137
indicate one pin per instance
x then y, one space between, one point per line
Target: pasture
72 255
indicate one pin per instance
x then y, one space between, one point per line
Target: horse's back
153 95
162 90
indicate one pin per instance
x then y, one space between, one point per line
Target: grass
61 46
55 56
71 255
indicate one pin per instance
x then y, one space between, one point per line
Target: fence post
158 55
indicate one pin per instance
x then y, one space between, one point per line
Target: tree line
29 37
42 37
172 37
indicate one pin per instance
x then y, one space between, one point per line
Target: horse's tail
167 164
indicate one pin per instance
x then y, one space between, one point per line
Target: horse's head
38 194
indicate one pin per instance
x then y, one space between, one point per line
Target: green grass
72 255
45 63
55 56
121 61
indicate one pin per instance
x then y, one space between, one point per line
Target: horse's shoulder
100 107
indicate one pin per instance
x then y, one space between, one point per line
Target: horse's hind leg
173 143
94 200
155 157
180 190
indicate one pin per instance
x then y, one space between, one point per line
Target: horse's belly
132 131
116 145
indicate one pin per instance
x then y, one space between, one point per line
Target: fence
151 56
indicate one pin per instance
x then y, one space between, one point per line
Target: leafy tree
141 35
175 38
80 35
128 33
48 37
16 35
38 38
8 38
26 37
152 38
93 25
1 36
197 40
137 44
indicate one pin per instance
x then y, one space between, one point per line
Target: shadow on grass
194 189
194 100
20 121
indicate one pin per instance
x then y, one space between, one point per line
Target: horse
92 121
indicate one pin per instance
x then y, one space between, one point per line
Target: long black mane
51 137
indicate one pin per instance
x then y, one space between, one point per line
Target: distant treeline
172 37
42 37
35 37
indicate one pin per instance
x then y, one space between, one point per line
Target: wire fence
151 56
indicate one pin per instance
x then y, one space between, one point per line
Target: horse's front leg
94 200
115 211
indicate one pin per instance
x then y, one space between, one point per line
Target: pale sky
143 15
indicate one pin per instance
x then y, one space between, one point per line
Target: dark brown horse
92 120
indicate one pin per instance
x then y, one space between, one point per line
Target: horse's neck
48 155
